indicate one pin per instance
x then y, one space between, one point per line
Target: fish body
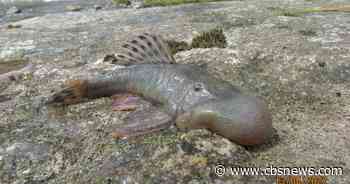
187 93
177 87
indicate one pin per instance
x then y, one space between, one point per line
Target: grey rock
97 7
9 77
13 10
299 75
137 4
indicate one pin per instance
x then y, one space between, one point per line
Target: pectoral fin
125 102
142 122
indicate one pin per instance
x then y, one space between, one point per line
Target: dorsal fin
145 48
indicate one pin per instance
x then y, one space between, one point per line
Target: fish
185 95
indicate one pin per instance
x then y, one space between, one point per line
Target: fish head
245 120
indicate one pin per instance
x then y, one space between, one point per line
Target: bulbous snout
251 119
245 120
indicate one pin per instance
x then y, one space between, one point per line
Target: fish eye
198 86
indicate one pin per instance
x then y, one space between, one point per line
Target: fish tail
145 48
73 93
80 90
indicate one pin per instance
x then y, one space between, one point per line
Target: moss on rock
212 38
177 46
121 2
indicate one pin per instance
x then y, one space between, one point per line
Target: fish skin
175 86
188 93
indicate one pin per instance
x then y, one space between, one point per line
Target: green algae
161 140
121 2
208 39
212 38
177 46
295 12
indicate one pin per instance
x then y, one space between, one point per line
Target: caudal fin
145 48
74 92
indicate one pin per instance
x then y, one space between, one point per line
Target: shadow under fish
184 94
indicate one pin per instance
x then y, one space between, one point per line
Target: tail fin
81 90
145 48
73 93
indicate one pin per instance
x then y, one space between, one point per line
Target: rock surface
300 65
13 10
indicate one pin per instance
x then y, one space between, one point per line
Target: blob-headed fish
185 94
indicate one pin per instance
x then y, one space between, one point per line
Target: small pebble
322 64
97 7
188 148
338 94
